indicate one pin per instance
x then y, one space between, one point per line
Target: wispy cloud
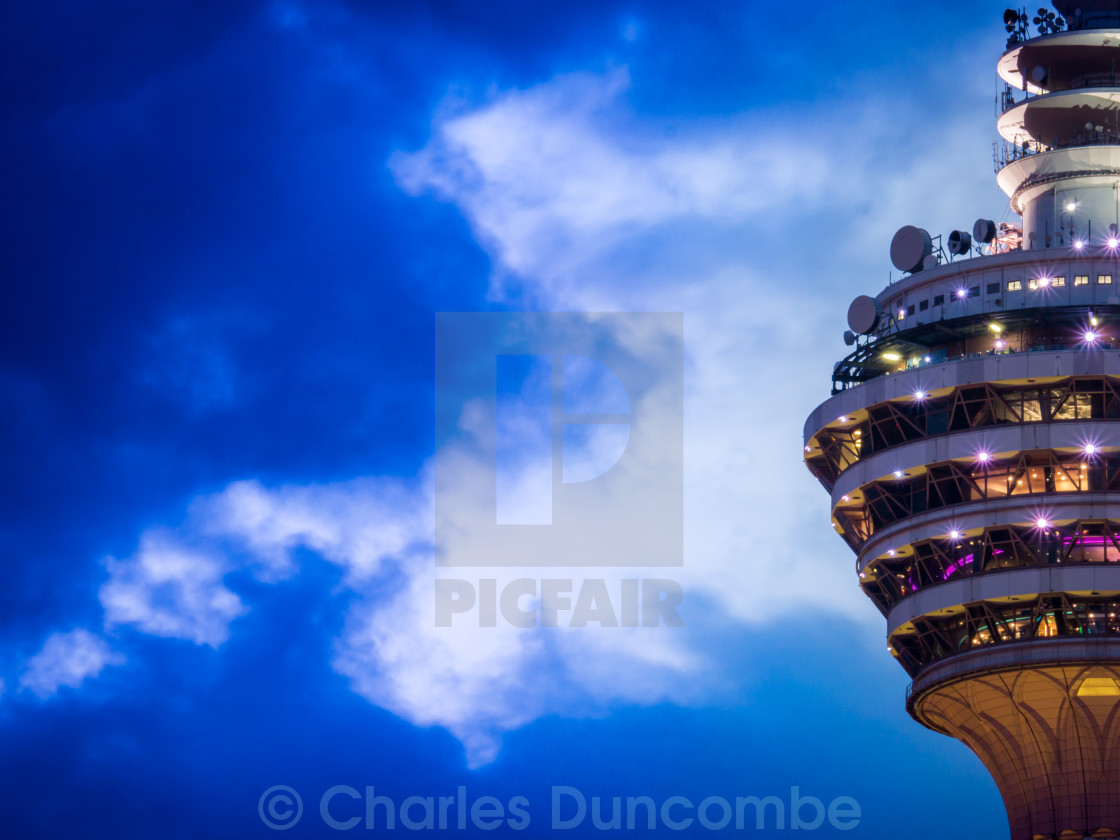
67 659
169 590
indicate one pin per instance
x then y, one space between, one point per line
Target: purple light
983 456
962 294
1078 244
960 564
954 534
1090 337
898 473
1041 522
1090 449
1113 242
919 395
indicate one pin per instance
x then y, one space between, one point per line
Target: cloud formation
170 590
583 205
67 659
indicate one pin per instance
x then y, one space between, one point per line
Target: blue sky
228 230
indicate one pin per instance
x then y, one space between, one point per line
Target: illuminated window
1099 687
1104 279
1081 280
1015 285
1058 281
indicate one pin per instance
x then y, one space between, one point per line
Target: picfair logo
559 439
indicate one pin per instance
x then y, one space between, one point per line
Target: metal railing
1005 152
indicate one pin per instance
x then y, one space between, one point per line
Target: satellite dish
1039 74
1010 17
849 337
984 231
864 314
910 247
931 261
959 243
1088 126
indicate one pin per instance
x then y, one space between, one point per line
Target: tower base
1048 733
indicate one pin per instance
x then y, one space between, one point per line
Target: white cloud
67 659
172 591
358 525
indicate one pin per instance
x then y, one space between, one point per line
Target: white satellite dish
984 231
864 314
910 247
960 242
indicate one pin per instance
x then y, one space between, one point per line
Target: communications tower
971 445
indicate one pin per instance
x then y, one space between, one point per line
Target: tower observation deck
971 445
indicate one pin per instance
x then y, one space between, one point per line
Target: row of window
895 423
930 562
984 624
1012 286
883 502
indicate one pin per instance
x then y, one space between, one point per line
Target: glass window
1058 281
938 300
1014 285
923 305
1104 279
993 288
1081 280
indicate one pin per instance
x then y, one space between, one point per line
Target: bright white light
1090 336
1113 242
1042 523
983 456
898 473
1090 449
1071 206
962 294
928 359
1078 244
1000 344
919 395
954 534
